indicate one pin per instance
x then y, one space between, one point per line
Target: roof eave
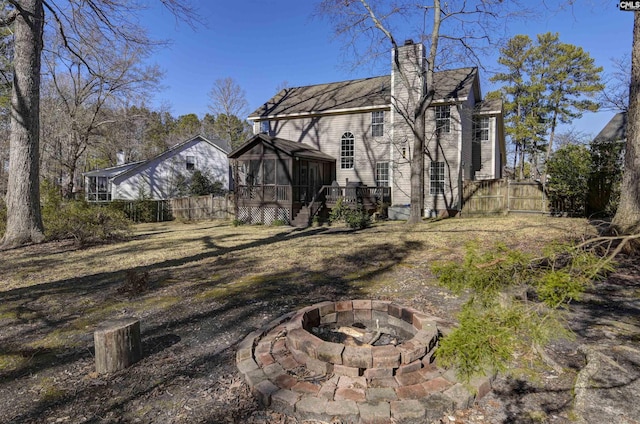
319 113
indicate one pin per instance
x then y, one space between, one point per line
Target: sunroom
281 180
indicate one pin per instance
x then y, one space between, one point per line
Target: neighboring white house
162 176
359 124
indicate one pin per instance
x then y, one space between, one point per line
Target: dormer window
265 127
191 163
377 123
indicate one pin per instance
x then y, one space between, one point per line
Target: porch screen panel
282 176
269 166
255 172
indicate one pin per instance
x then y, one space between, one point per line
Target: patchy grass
206 285
60 293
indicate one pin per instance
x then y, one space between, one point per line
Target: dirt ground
188 374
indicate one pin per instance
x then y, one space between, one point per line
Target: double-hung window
443 118
480 129
265 127
347 151
377 123
191 163
382 174
436 178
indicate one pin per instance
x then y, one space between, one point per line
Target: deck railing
351 195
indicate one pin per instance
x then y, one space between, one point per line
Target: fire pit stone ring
353 361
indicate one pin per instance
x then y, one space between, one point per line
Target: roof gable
288 147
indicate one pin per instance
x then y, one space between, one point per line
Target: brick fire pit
292 370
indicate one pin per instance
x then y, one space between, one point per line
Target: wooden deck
286 196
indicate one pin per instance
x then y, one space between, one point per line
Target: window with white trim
98 189
191 163
436 178
265 127
443 118
377 123
481 129
382 174
347 143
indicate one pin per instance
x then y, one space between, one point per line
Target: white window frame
190 163
382 174
347 150
436 178
481 128
377 123
98 190
265 127
443 118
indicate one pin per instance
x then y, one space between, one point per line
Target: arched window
347 151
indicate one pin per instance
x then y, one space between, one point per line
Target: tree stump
117 344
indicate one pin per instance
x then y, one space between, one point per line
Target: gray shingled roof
290 148
616 129
489 106
360 93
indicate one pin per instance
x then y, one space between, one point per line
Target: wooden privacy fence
503 196
203 207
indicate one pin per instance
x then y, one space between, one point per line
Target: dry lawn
193 276
68 290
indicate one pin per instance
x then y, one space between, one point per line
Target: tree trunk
417 172
627 218
24 222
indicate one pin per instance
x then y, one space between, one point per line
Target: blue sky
263 43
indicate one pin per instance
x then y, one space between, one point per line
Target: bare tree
111 20
83 89
230 107
627 217
454 32
616 94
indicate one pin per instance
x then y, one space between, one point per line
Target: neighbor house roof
288 147
366 93
130 168
616 129
111 171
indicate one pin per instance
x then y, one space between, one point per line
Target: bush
84 222
201 185
78 219
569 168
353 218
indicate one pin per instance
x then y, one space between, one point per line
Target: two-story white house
352 134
